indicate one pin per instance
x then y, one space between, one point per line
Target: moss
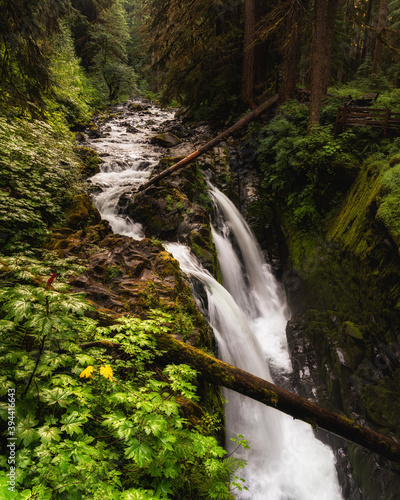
270 397
351 224
350 274
82 213
90 161
349 328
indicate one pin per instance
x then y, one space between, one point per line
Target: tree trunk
367 36
329 36
291 53
321 52
317 65
246 119
248 65
219 373
382 22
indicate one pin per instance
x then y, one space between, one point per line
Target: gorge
252 302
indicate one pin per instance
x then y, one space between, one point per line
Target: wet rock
80 137
132 130
170 211
90 161
94 132
128 276
138 106
82 213
167 140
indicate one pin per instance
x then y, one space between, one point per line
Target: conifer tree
25 51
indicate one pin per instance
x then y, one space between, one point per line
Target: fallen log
219 373
209 145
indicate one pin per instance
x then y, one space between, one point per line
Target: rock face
344 331
174 210
127 276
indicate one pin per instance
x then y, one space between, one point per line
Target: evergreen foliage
74 95
196 54
306 176
25 51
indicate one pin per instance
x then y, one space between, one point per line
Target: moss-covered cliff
344 288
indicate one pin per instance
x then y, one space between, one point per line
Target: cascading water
247 314
286 461
127 162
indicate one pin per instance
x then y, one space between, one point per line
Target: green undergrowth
307 176
39 177
91 422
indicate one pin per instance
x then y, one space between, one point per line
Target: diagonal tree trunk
209 145
219 373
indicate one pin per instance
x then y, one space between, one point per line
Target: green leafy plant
306 174
95 423
39 175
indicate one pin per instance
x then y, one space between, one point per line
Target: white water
128 160
248 316
286 461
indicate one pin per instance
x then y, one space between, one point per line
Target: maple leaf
106 371
87 372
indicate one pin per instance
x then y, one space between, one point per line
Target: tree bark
329 36
367 36
219 373
321 51
291 52
209 145
382 22
248 65
317 62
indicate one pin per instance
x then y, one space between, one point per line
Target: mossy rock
166 140
136 106
82 213
352 330
90 161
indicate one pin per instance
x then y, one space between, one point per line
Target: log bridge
360 116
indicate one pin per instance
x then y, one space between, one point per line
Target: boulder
166 140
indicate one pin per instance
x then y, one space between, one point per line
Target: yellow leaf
86 372
106 371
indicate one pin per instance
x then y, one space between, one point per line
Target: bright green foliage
307 175
92 423
73 92
38 176
389 200
108 39
304 172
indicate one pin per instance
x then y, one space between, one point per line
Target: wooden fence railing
354 116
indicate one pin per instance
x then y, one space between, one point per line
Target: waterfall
248 315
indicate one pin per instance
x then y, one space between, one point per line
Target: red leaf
50 280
